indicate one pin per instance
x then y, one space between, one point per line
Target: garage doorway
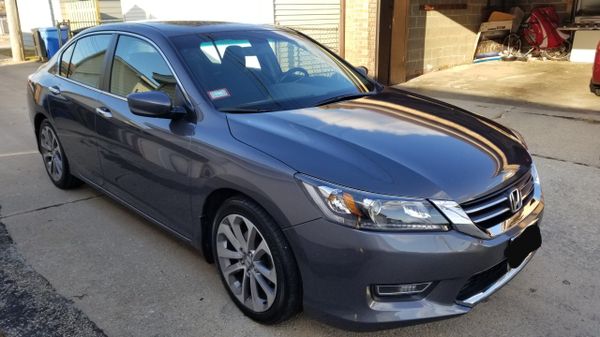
392 37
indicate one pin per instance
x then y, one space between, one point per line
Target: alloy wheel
246 262
51 153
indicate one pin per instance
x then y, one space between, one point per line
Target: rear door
74 98
144 159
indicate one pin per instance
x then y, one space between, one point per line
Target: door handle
54 90
104 112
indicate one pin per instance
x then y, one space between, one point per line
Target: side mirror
152 104
363 70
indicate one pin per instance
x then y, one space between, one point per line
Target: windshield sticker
218 94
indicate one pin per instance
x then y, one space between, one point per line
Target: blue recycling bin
50 37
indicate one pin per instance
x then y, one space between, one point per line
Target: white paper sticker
218 93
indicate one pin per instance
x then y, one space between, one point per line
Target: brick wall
436 39
439 39
361 33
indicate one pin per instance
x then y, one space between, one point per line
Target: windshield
267 70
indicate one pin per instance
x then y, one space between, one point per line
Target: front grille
492 209
480 282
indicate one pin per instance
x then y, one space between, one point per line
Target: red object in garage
541 28
595 82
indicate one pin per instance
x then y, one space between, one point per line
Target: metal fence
81 14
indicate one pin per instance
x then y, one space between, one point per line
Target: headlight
365 210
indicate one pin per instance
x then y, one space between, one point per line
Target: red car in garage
595 82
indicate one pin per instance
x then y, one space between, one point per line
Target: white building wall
246 11
34 14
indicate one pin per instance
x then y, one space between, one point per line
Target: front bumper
339 265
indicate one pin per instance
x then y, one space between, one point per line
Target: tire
257 269
54 158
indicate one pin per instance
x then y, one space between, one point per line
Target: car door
73 99
144 159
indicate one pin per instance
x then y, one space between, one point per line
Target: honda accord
309 185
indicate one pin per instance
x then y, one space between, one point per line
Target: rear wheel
255 262
55 161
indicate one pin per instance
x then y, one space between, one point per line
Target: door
399 43
144 159
392 37
384 36
73 100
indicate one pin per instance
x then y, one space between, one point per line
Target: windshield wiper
340 98
244 110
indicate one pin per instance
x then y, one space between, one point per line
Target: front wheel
255 262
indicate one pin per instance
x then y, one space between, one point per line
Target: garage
400 40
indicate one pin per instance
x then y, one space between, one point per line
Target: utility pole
14 28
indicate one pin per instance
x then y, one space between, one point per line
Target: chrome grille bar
488 211
486 205
490 215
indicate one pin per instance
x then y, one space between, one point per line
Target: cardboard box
496 25
500 16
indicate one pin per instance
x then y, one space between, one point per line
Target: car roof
174 28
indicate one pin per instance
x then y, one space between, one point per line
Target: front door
144 159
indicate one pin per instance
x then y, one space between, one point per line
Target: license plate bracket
519 247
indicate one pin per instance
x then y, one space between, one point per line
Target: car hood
393 143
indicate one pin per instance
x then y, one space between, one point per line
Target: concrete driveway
76 263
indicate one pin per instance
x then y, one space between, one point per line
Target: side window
65 60
88 59
139 67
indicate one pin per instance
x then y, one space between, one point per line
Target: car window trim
107 65
60 59
74 42
102 72
110 57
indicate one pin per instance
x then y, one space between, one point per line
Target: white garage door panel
320 19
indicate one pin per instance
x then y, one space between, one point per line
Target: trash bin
50 37
38 44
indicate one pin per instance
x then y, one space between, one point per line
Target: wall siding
110 11
320 19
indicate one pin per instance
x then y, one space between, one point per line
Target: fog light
401 289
